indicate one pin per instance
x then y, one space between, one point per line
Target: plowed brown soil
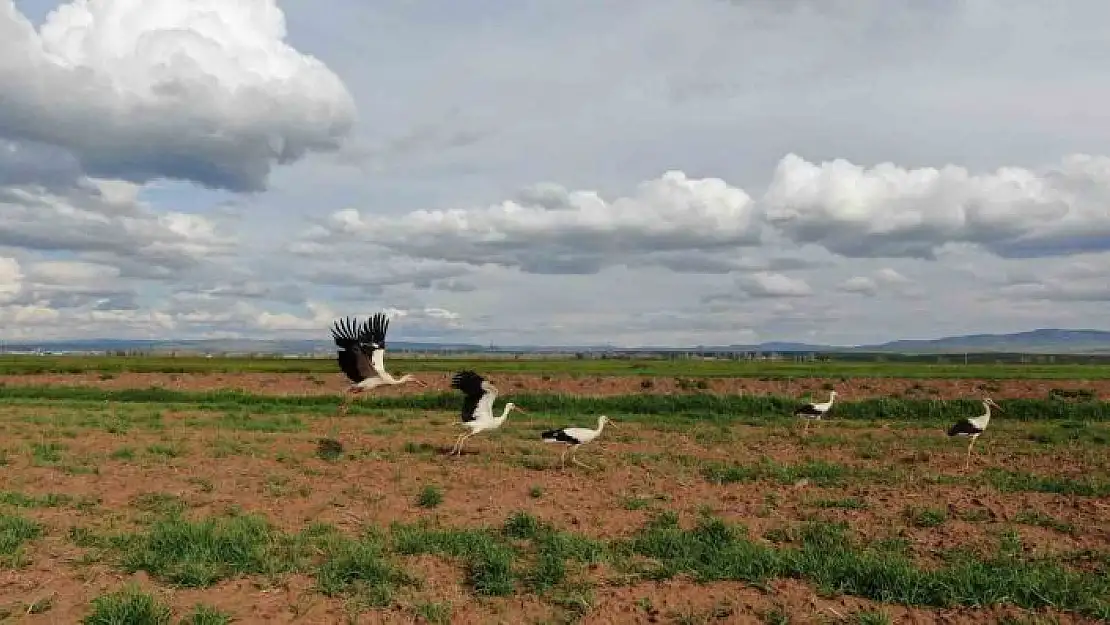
642 471
847 388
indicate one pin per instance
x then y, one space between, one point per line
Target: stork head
987 401
602 420
510 406
832 395
408 377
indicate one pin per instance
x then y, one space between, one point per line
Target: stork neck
504 413
600 425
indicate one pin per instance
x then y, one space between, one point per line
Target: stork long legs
967 462
457 449
571 451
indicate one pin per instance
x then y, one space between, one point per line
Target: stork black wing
350 355
559 436
470 384
373 331
964 427
807 410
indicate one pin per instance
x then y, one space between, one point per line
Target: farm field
201 496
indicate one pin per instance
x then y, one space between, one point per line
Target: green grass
673 409
128 606
857 366
430 497
206 615
15 532
828 558
529 556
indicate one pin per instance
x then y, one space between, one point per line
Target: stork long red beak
515 407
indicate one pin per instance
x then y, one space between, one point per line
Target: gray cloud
209 93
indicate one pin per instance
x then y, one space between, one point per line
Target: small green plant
434 613
871 617
535 492
926 517
430 497
206 615
129 606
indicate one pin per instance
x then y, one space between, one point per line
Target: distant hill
1043 341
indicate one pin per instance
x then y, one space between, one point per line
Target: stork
477 409
365 372
974 427
813 412
574 438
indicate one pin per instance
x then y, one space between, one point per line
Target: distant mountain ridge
1041 341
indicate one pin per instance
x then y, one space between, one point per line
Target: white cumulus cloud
200 90
560 231
891 211
767 284
11 279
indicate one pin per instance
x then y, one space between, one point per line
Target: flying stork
477 408
974 427
574 438
813 412
365 372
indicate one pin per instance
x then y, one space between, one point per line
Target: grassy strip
530 556
701 405
889 367
829 474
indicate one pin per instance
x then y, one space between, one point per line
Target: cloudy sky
554 171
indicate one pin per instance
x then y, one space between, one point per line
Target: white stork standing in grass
477 409
574 438
974 427
365 371
814 412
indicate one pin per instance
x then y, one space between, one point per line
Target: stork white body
815 412
574 438
974 427
477 410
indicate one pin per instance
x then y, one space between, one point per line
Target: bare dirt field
847 388
88 473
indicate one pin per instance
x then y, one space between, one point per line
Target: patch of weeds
125 454
201 553
635 503
720 613
535 492
975 515
41 606
277 485
775 616
430 497
488 561
1021 481
329 450
159 504
925 517
817 472
15 532
1040 519
419 448
433 613
128 606
871 617
359 568
827 557
164 451
48 500
46 453
206 615
848 503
